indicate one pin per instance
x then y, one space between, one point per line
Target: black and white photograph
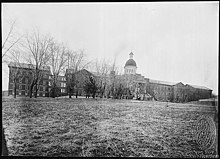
110 79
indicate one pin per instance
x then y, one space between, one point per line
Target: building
75 81
20 77
60 85
130 67
132 83
142 87
4 93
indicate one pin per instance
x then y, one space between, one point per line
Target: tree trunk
15 90
4 144
93 95
77 93
53 91
31 89
35 94
70 93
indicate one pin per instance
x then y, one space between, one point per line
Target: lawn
103 128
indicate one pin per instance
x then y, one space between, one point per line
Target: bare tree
91 86
7 44
15 70
113 73
38 56
102 72
10 41
58 59
76 62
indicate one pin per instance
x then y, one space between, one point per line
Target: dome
130 62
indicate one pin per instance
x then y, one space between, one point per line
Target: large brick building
142 87
60 84
139 86
20 77
76 80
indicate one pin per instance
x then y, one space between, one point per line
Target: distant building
20 76
60 84
134 84
161 90
4 93
76 80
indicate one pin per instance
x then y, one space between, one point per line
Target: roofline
199 86
28 66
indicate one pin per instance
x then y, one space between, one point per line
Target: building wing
199 87
162 82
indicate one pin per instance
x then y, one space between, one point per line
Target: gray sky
170 41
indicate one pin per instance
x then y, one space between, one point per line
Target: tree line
39 51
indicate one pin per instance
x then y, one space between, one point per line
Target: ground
104 127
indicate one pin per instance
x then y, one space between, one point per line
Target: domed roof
130 62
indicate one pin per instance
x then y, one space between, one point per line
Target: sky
176 42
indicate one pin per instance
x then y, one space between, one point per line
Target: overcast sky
176 42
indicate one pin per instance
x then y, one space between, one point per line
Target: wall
23 83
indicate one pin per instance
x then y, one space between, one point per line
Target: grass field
102 127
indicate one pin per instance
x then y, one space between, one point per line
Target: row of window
25 93
62 84
63 90
59 78
163 88
28 73
25 87
129 71
26 81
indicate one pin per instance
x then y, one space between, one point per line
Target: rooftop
27 66
162 82
130 62
199 87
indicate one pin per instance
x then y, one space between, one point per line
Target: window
44 82
63 84
23 87
44 88
10 92
41 88
43 94
23 93
26 80
20 80
10 86
62 90
49 83
20 87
